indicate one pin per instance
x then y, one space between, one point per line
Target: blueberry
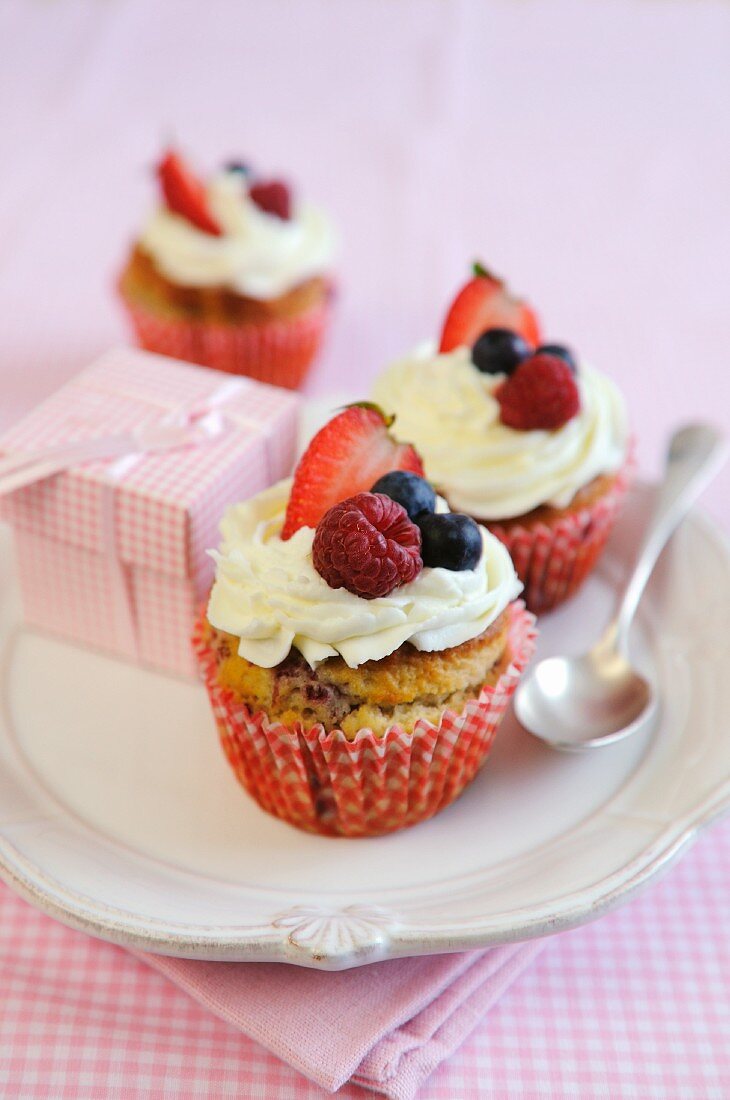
238 166
499 351
410 490
451 541
560 352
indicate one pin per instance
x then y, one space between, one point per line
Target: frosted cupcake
232 273
523 436
361 642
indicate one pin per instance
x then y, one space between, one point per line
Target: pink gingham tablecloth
633 1007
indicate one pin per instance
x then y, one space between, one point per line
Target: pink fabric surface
385 1027
581 149
633 1007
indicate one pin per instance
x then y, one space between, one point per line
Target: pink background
580 148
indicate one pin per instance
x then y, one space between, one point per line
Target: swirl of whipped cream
447 409
268 594
258 255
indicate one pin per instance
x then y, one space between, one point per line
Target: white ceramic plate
119 816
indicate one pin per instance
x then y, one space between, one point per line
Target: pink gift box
113 553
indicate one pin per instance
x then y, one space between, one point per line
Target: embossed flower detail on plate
336 933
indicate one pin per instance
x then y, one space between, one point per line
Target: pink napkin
386 1026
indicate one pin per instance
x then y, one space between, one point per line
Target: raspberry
273 197
368 545
542 393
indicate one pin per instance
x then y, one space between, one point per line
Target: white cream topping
258 254
268 593
446 408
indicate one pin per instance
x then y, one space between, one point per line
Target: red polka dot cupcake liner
324 783
553 560
279 351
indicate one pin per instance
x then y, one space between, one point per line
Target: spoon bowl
576 702
598 698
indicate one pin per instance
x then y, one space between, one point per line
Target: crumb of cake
401 688
142 282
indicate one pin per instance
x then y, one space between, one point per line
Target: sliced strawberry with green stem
345 457
185 194
485 302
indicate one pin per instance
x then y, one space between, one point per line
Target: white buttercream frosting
447 409
268 594
258 254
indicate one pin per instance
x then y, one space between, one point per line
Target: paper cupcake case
279 352
323 783
553 560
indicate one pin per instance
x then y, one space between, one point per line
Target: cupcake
232 274
361 641
519 434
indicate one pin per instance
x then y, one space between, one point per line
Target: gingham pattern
633 1007
279 351
552 560
68 591
167 507
122 390
323 783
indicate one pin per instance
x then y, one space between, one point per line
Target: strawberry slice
483 303
346 456
185 194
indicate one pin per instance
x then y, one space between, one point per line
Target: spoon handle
696 453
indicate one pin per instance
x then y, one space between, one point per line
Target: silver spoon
582 702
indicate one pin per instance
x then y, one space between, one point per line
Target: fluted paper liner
553 559
279 351
324 783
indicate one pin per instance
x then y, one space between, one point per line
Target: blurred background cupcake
231 273
518 433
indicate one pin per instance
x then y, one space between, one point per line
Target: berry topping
345 457
185 194
486 303
239 167
499 351
561 352
542 393
273 197
368 545
451 541
413 492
